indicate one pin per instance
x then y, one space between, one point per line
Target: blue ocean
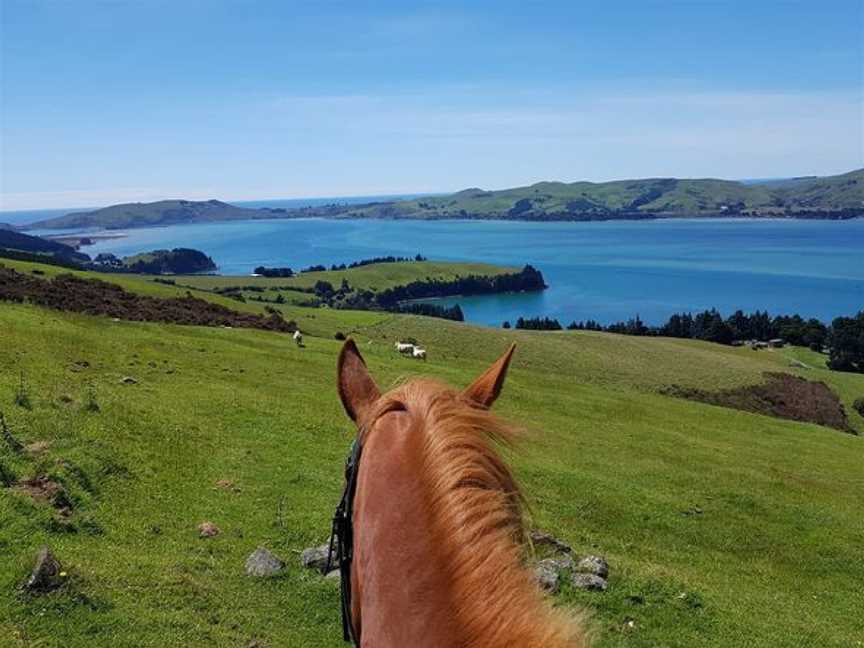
607 271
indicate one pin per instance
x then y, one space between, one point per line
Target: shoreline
105 233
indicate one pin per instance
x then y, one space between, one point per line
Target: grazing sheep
405 347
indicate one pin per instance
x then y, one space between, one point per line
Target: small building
777 343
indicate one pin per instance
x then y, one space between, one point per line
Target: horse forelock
477 509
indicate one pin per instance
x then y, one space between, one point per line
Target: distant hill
7 226
163 212
833 197
829 197
12 240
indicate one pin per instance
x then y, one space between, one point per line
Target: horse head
436 550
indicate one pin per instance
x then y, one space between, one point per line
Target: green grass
775 559
377 276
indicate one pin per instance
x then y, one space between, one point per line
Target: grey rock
316 558
263 563
596 565
128 380
46 573
589 582
333 574
547 575
561 562
541 538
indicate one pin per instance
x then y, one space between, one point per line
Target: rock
263 563
37 447
561 563
47 573
227 484
128 380
333 574
208 530
589 582
596 565
547 576
316 558
541 538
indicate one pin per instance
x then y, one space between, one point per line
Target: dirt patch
68 292
44 489
782 396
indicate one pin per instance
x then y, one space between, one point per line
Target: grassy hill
635 198
840 196
17 241
722 528
163 212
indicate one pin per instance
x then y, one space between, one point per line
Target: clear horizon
111 102
355 196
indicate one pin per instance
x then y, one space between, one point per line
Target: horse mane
477 508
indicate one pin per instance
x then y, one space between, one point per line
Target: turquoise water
607 271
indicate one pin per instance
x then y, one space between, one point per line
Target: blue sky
114 101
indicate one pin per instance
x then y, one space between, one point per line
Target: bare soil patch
782 395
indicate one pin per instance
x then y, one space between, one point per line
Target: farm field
721 527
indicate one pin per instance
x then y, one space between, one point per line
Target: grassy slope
375 276
775 559
315 321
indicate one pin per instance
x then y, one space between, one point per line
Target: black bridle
342 540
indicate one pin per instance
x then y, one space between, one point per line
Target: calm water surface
607 271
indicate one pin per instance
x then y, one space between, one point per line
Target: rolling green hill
163 212
658 197
722 528
840 196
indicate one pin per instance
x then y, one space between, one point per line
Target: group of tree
432 310
403 299
176 261
527 279
363 262
264 271
843 340
536 324
711 326
846 343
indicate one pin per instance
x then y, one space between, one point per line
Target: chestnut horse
438 535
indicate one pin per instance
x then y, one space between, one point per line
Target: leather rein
342 540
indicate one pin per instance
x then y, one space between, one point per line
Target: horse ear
356 387
486 389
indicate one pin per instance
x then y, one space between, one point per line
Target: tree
323 289
846 344
506 324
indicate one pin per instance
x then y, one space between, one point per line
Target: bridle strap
342 540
